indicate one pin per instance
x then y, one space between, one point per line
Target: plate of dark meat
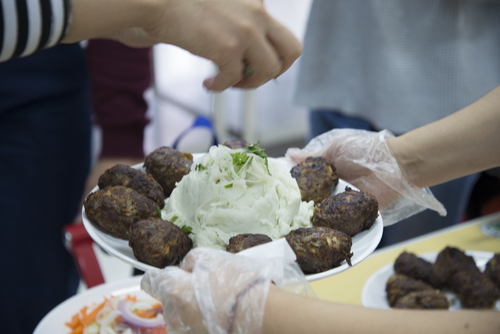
121 216
451 279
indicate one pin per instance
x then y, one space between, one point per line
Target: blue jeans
454 194
44 161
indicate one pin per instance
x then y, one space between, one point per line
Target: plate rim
92 295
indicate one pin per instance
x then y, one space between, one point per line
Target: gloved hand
218 292
363 159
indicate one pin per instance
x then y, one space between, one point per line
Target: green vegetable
159 211
174 218
227 186
200 167
259 152
239 160
188 229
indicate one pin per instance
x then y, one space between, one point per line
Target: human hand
227 32
364 159
212 290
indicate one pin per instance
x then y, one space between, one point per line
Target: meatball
244 241
122 175
410 265
493 269
474 289
425 299
115 209
236 143
320 248
398 286
450 261
158 242
316 178
350 212
168 166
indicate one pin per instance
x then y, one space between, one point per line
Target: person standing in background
45 116
399 65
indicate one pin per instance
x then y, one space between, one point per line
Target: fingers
200 254
261 51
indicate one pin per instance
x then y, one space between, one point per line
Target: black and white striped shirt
27 26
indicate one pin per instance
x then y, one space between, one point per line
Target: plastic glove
363 159
218 292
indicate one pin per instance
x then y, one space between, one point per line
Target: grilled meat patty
115 209
316 178
168 166
123 175
350 212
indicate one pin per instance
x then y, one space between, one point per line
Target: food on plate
127 314
168 166
474 289
159 242
399 285
493 269
230 192
320 248
246 240
452 272
450 261
415 267
316 177
350 212
425 299
236 143
115 209
126 176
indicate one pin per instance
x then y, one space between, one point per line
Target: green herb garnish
200 167
174 218
159 211
239 160
227 186
188 229
259 152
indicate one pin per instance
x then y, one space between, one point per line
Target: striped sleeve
27 26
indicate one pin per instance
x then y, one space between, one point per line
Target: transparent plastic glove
217 292
363 159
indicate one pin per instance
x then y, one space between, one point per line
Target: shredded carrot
75 321
159 330
131 298
88 319
77 330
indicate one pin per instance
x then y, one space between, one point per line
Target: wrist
407 162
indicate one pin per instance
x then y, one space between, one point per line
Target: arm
463 143
290 313
231 33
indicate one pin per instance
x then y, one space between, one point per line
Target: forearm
290 313
98 18
463 143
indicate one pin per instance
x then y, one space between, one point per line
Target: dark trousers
44 161
454 194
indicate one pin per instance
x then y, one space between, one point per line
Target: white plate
54 321
374 296
363 244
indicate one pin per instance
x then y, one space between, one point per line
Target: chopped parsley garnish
188 229
239 160
174 218
200 167
227 186
159 211
259 152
